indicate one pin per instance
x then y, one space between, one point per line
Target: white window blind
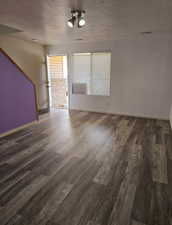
93 70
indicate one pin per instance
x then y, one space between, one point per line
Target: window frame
91 53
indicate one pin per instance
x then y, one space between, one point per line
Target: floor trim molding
18 129
122 114
42 111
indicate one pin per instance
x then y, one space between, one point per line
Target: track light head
81 20
71 22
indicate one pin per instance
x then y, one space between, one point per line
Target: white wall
141 76
30 57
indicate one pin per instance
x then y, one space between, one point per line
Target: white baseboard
18 128
122 114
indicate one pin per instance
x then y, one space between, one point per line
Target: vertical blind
93 70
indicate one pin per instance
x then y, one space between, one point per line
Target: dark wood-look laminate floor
82 168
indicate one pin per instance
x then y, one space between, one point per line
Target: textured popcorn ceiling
46 20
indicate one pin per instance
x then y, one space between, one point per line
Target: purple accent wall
17 96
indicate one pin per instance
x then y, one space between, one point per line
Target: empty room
85 112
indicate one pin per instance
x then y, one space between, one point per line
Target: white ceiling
46 20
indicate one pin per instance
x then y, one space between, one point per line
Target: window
91 73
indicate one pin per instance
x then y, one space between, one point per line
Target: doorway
58 88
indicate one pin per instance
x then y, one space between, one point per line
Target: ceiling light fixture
79 16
